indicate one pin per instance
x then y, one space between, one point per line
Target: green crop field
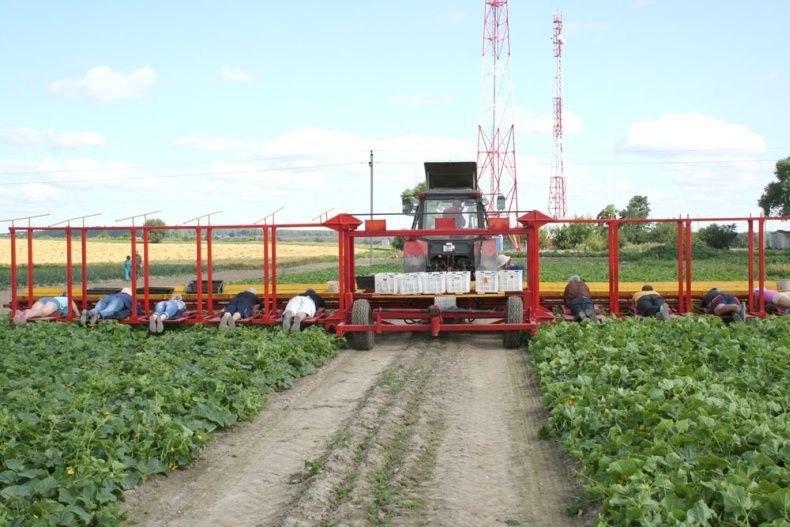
87 413
680 422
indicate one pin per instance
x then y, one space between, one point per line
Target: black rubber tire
362 314
514 313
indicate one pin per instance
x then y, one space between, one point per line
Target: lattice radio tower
558 199
496 147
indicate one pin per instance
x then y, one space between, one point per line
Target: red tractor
452 201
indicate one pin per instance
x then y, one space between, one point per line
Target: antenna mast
496 146
558 200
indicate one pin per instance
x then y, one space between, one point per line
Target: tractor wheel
514 313
362 314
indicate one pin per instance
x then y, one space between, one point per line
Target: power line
194 174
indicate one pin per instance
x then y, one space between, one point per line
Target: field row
86 414
679 422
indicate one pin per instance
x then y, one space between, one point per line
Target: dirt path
418 431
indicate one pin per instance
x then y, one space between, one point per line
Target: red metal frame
388 310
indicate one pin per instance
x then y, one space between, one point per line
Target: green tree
776 196
637 208
411 193
608 213
155 235
718 236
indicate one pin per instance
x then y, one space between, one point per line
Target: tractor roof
452 174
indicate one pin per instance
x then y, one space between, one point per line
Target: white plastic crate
408 284
486 281
511 280
386 283
433 283
459 282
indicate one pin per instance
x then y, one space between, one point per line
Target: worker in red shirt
578 299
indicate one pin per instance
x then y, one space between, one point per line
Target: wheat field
49 251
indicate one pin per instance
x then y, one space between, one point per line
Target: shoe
160 327
287 320
94 319
590 312
738 317
223 322
296 323
152 324
582 316
231 324
84 318
743 311
663 312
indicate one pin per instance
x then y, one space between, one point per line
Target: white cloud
106 85
237 75
680 134
526 121
416 100
23 136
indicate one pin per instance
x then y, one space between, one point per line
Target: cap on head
252 290
126 290
502 260
575 278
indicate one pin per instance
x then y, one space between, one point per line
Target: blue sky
245 107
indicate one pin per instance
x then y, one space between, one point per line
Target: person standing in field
578 299
127 269
649 303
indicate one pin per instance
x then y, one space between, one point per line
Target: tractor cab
453 201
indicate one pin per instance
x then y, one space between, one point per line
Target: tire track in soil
492 469
242 478
419 431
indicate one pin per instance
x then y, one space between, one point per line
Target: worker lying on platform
721 303
649 303
240 306
117 306
776 301
44 307
299 308
164 310
578 299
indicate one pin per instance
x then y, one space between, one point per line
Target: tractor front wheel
514 314
362 314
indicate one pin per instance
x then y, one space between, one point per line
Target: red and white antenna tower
558 200
496 146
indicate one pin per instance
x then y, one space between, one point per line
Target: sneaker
296 323
152 324
160 327
94 319
743 311
663 312
223 322
84 318
738 317
582 316
590 312
231 324
287 320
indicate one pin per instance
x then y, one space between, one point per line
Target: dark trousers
579 304
648 305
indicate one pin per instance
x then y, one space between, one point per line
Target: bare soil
419 431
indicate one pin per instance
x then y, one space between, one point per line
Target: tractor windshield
464 211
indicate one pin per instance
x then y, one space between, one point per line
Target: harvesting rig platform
361 314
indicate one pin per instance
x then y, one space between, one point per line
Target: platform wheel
514 314
362 314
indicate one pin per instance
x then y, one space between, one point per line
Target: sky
121 108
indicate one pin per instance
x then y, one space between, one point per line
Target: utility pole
370 239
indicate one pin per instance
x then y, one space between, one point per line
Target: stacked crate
459 282
486 281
